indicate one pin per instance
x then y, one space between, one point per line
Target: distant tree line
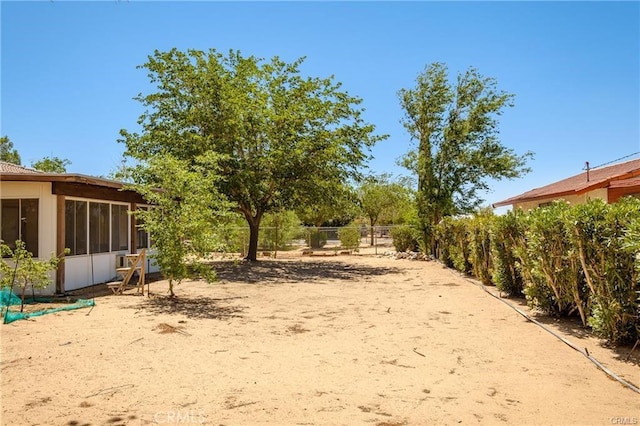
283 142
240 136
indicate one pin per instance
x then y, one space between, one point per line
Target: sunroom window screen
119 227
76 227
98 227
142 237
20 222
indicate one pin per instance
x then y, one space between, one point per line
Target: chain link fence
273 239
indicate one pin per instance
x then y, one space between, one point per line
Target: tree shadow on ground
101 290
308 271
193 308
572 326
628 353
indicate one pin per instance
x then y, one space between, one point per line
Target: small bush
349 237
317 238
480 245
278 229
602 235
553 262
25 271
453 243
507 232
566 259
405 238
446 242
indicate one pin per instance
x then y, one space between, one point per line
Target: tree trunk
429 234
372 239
434 241
24 290
583 263
254 228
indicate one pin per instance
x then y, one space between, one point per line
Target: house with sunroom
88 215
608 183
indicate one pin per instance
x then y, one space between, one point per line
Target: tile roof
14 168
601 177
14 173
625 183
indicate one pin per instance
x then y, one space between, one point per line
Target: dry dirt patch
336 340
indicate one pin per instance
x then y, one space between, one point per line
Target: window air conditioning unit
121 261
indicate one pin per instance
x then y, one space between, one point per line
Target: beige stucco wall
46 216
46 210
600 193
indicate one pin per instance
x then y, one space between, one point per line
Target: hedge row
566 260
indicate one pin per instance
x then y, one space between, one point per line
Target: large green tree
7 152
281 136
51 164
455 126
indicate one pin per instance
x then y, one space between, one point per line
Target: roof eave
60 177
519 199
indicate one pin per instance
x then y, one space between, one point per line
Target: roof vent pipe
587 167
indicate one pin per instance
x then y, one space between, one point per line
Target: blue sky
69 72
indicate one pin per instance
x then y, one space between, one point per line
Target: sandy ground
310 341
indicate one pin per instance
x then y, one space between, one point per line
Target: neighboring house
88 215
606 183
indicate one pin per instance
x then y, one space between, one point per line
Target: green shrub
317 238
446 241
553 264
601 234
452 236
507 231
565 259
25 271
349 237
631 244
405 238
277 230
479 235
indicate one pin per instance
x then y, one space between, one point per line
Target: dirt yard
339 340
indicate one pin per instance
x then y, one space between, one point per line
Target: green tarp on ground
8 298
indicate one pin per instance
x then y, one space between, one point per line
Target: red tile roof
617 175
14 168
13 173
626 183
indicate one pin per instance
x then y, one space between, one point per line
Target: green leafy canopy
455 126
281 137
8 153
51 164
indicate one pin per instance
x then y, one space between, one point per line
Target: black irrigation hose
565 341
